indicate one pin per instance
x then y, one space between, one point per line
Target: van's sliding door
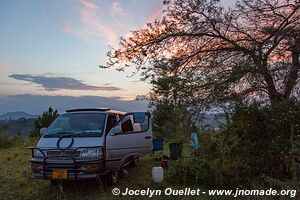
131 137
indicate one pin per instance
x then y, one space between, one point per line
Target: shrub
258 141
263 137
43 121
192 171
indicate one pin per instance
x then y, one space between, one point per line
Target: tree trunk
273 94
293 73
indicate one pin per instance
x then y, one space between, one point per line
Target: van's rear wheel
112 178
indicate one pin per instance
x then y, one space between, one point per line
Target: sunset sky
54 47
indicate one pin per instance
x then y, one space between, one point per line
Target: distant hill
17 115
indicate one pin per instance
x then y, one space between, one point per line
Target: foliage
207 168
7 141
4 126
250 48
193 171
172 99
174 87
44 121
263 137
168 122
259 145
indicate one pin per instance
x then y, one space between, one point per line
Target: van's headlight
37 154
90 152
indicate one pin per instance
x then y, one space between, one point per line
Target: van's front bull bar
76 163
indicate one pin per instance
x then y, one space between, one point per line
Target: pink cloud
156 13
89 3
66 28
93 25
90 25
117 8
4 68
93 20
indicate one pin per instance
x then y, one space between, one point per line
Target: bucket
157 174
158 144
175 150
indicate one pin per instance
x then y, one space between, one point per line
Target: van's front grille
62 155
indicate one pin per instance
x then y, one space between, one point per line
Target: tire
135 161
57 182
112 178
54 182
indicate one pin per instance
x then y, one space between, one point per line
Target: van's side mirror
116 130
43 131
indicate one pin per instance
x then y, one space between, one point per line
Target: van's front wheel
112 177
135 162
54 182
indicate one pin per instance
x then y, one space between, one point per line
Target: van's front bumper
76 169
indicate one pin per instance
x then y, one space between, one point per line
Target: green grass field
16 181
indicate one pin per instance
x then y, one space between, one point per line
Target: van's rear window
81 124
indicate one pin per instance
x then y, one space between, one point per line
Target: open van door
129 138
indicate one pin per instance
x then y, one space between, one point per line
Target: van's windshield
77 124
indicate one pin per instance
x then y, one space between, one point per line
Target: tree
173 100
44 121
169 121
250 49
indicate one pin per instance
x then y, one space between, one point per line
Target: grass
16 181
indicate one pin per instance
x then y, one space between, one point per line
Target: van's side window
127 126
111 121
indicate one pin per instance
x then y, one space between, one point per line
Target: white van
86 143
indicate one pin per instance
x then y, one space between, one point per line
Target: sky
54 47
51 49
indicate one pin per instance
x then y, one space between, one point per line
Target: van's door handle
148 137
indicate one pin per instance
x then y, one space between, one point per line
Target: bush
192 171
263 137
43 121
258 141
208 168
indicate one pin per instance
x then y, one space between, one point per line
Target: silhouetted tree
44 121
249 49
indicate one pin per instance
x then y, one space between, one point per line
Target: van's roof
106 110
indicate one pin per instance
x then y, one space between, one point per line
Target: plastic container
158 144
157 174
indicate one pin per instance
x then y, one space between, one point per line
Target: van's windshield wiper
62 134
69 134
